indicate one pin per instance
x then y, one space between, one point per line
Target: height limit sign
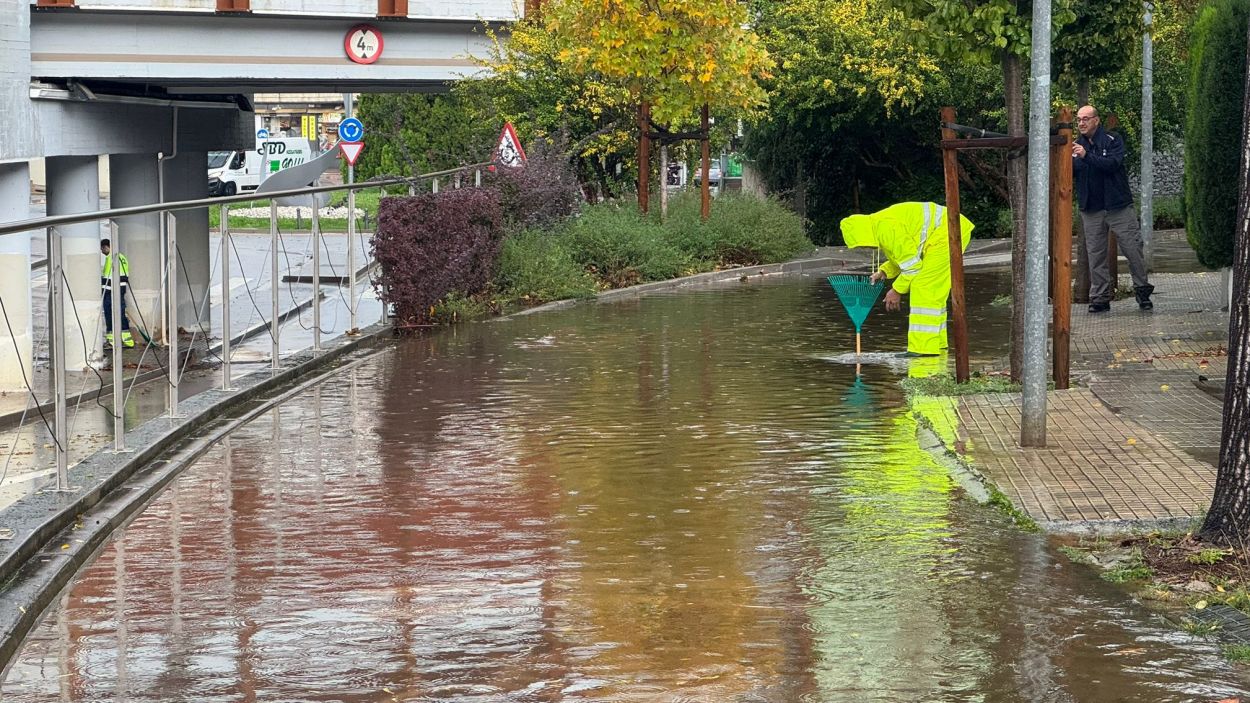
363 44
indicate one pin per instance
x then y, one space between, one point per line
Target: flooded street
676 498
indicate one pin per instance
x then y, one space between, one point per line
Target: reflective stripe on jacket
106 275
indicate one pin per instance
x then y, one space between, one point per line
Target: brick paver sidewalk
1138 442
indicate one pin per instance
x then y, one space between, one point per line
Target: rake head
857 294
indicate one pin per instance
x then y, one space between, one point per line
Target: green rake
858 295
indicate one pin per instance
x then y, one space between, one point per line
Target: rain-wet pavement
667 499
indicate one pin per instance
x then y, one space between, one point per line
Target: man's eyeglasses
1085 119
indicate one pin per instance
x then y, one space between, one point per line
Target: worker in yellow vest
106 282
913 240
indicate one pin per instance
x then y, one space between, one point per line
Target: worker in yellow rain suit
912 237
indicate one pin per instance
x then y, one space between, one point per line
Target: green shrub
1168 213
536 266
620 247
1216 93
748 230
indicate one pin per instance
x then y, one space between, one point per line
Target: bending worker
913 239
106 282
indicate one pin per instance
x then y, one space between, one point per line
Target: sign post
351 207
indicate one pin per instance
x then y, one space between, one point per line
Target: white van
231 172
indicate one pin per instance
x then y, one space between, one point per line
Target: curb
110 488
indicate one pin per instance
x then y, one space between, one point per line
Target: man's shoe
1099 307
1143 296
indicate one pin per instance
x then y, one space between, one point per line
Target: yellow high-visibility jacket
907 234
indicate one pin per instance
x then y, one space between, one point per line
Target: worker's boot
1143 296
108 340
127 340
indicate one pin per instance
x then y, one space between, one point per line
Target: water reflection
672 498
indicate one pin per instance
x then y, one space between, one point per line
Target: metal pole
351 231
316 262
1147 138
226 376
172 331
477 178
56 303
119 382
435 187
1033 406
273 281
1061 254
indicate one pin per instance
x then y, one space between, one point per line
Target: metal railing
172 368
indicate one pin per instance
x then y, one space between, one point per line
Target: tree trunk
1228 519
1017 182
644 155
705 194
663 181
1080 292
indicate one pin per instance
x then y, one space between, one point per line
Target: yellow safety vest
106 276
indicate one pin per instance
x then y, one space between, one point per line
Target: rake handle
857 343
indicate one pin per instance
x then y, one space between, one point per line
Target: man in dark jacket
1106 204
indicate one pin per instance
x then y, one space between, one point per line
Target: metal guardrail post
56 305
316 296
273 279
171 331
225 298
116 296
477 178
435 186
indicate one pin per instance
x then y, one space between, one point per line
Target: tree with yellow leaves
676 58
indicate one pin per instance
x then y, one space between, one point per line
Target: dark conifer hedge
1213 129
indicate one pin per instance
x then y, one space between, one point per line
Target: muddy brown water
667 499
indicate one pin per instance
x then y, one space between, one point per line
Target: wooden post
705 189
644 155
1061 253
959 318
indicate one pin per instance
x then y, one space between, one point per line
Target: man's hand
893 300
877 276
1078 151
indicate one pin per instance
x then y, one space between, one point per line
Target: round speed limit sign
363 44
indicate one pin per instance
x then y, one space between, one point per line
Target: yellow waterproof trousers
926 319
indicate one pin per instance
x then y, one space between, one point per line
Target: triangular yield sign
509 151
351 151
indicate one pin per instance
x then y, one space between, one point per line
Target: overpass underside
155 85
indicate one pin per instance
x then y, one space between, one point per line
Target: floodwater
668 499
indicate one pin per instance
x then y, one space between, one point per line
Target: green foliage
536 266
620 247
1076 555
742 231
1207 557
1216 94
1237 653
944 384
1169 213
1101 40
978 31
1019 518
1133 569
1199 628
860 133
415 133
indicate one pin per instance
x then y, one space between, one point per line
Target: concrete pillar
133 180
186 178
15 348
74 186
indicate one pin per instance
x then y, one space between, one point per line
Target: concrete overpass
156 84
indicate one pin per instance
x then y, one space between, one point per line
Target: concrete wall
21 135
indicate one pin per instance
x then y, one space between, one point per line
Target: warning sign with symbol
509 151
363 44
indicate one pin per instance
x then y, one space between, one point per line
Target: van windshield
217 159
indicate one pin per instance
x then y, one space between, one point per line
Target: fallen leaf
1165 388
64 546
1200 605
1131 441
1220 589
